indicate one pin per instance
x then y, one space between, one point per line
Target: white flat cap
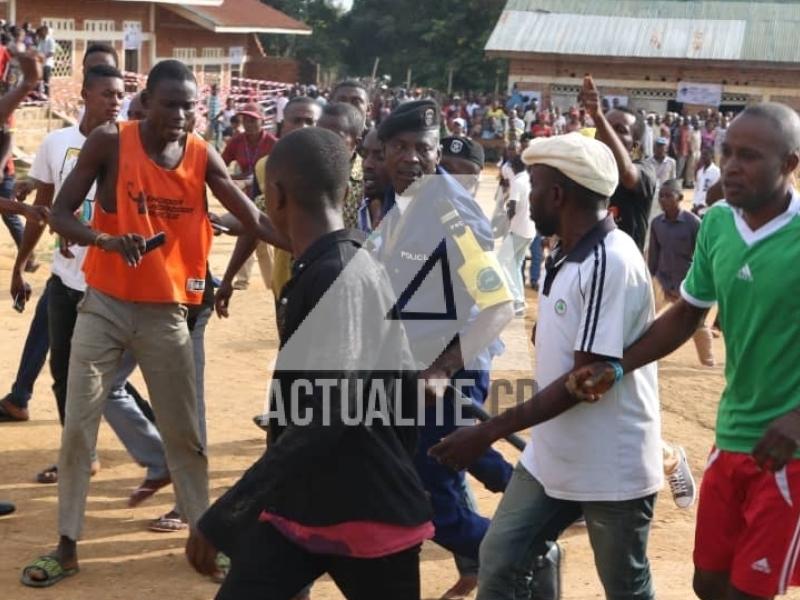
584 160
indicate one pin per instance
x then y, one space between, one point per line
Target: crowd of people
361 211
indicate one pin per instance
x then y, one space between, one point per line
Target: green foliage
430 36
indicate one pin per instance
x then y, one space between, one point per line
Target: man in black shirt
336 491
622 131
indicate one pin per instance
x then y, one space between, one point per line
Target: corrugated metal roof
617 36
680 29
674 9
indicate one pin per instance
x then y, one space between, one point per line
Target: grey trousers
158 337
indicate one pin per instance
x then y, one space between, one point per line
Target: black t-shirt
631 208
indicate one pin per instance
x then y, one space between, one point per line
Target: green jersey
755 278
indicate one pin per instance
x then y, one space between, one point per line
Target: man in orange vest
151 182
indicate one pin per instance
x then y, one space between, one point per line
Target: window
59 24
99 25
63 59
184 53
213 53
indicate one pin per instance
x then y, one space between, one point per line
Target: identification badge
196 285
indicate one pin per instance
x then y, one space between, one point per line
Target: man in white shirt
707 175
648 138
280 105
521 231
664 166
47 48
602 460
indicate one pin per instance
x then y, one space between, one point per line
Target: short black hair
313 166
784 120
100 72
674 184
353 83
300 100
100 48
169 70
353 117
638 128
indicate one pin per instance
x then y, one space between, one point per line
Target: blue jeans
527 516
12 222
536 260
34 354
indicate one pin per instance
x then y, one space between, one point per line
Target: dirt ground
121 560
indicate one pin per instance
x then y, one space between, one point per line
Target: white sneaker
681 482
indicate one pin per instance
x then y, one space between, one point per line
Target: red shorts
748 523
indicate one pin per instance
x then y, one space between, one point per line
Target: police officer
437 247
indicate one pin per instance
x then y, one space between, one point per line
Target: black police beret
418 115
465 148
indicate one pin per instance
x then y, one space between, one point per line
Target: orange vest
151 199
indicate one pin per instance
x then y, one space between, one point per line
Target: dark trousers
536 260
33 354
458 527
62 312
47 73
267 566
12 222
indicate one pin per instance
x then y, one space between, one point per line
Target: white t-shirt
600 301
48 47
55 159
706 177
519 189
280 105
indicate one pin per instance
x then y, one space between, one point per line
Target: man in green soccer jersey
747 540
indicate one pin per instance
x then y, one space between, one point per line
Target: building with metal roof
652 53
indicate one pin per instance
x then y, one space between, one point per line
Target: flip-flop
167 524
146 489
6 508
50 566
48 475
11 413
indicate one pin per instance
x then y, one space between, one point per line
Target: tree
323 46
430 37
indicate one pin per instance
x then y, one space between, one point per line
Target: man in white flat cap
602 460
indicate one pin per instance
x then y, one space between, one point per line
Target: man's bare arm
461 448
239 205
31 65
90 165
33 229
590 97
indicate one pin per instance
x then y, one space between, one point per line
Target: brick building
218 38
653 53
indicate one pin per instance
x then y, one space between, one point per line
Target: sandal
48 475
168 523
6 508
53 570
9 412
146 489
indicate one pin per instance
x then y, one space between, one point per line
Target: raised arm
31 65
590 97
